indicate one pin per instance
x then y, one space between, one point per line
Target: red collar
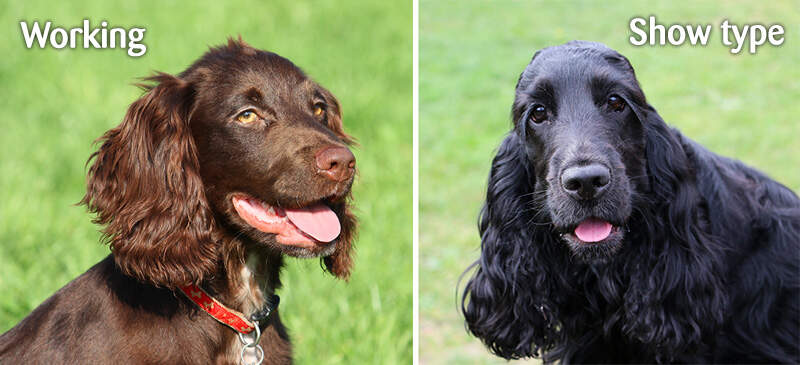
229 317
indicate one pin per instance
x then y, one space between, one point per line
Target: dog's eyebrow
543 89
604 83
601 83
318 94
255 97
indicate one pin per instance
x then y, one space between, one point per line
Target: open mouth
306 227
593 231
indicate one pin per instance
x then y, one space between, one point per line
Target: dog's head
242 144
578 115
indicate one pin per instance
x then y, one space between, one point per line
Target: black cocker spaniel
609 237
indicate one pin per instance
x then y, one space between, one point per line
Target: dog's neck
255 284
249 276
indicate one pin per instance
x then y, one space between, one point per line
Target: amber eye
319 108
538 114
247 117
616 103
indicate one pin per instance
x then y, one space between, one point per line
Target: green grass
471 53
56 102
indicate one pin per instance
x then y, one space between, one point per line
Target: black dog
609 237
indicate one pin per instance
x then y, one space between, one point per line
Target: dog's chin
592 238
595 252
317 250
593 231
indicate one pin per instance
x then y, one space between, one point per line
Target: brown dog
210 179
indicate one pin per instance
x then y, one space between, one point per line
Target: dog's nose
336 163
585 182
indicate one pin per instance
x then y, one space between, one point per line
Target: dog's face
272 153
585 142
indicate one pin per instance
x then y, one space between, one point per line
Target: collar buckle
262 314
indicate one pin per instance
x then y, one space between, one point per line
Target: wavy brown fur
161 184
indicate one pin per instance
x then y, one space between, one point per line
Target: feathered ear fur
507 301
675 296
340 262
144 185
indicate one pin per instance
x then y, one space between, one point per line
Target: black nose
336 163
585 182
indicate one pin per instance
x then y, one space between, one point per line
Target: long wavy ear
144 185
679 299
340 262
667 162
505 302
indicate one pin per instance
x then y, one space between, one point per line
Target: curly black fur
707 266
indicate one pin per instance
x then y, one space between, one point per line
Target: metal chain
254 345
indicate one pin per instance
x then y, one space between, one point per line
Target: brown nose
336 163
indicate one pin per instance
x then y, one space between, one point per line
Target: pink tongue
593 230
317 221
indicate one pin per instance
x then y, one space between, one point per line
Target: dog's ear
666 161
676 239
145 188
501 302
340 262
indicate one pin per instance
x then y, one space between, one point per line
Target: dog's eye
616 103
247 117
538 114
319 108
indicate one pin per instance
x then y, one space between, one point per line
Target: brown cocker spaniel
212 177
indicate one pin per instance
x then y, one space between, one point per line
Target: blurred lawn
471 54
56 102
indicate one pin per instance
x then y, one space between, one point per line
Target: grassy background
471 53
56 102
